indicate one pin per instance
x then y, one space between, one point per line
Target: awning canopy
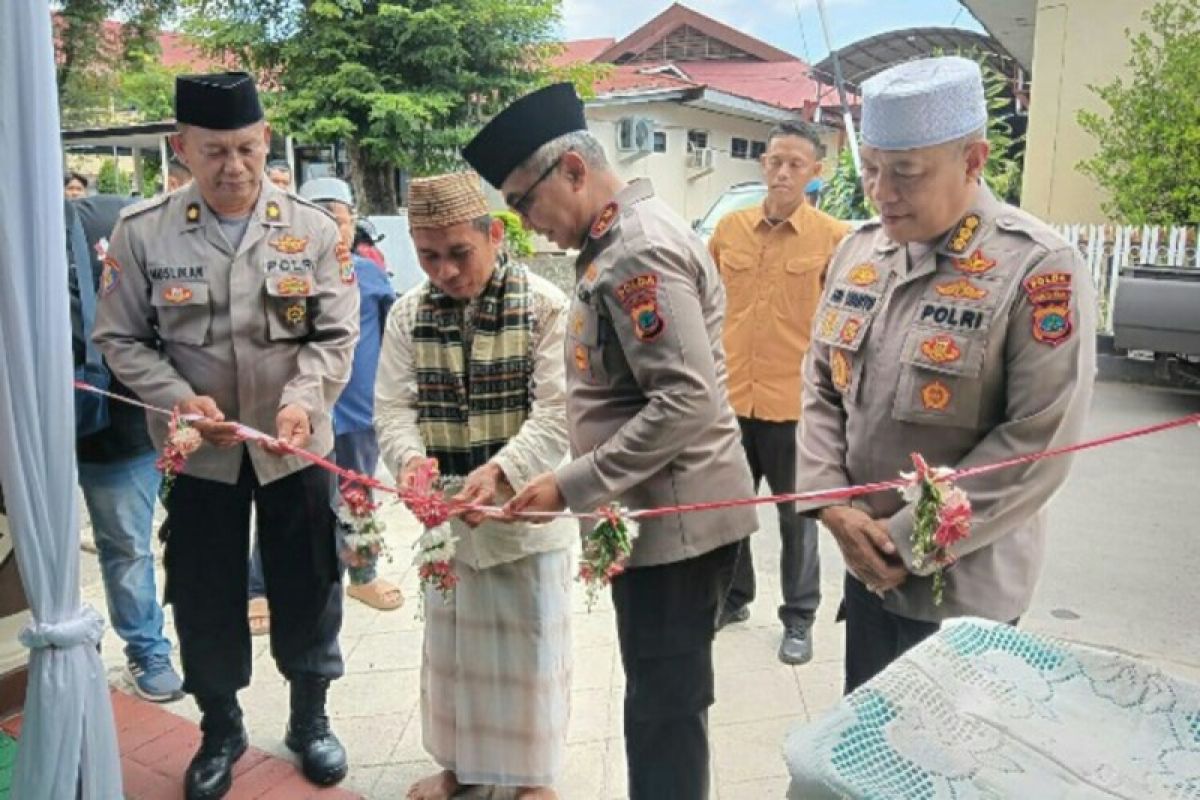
140 136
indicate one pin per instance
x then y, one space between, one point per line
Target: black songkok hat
223 101
518 131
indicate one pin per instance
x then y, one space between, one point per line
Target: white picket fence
1110 248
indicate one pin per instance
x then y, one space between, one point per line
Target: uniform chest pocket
289 305
941 378
585 343
184 312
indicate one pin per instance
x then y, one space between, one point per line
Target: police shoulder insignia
192 213
605 221
964 234
590 273
935 396
110 277
828 324
864 275
273 213
1050 295
288 244
975 264
639 296
294 285
581 359
839 369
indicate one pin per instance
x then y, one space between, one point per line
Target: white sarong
496 672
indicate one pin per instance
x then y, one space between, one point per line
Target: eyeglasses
523 203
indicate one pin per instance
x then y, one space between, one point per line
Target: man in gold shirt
772 260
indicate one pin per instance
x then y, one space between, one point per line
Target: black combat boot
210 775
322 757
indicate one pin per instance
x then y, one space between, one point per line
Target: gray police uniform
270 322
650 426
974 349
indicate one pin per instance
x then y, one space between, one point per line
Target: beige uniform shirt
181 313
983 348
647 406
537 448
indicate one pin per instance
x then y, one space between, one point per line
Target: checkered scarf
469 411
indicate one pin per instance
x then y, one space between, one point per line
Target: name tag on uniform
164 273
962 319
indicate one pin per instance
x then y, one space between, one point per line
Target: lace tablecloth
984 710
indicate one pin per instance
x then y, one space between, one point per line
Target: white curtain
68 743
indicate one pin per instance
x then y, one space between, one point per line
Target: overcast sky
776 22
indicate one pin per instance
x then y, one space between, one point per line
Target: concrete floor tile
596 629
363 779
820 697
589 715
368 694
409 746
585 771
370 741
755 695
385 651
750 751
774 788
593 667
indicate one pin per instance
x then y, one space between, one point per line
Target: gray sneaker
796 646
154 679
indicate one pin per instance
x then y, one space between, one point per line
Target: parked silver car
735 198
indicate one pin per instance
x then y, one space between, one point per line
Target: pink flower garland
435 548
606 551
941 517
182 441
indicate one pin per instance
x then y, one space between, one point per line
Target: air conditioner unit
700 159
635 135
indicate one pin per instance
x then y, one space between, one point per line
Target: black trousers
771 450
875 637
207 540
666 618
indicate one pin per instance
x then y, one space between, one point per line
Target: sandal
378 594
260 616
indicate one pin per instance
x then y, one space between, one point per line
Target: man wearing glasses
648 416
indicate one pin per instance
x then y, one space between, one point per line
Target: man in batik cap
649 416
953 325
231 300
471 375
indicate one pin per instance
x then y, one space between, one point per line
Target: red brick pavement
156 746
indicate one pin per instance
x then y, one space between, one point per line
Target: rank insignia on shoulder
961 289
864 275
176 295
975 264
273 213
581 358
964 234
839 369
295 313
577 324
110 277
591 272
941 349
828 323
192 213
935 396
605 221
289 245
1049 287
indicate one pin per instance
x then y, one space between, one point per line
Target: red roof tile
786 84
633 78
581 50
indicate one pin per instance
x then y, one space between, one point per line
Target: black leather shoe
322 757
210 773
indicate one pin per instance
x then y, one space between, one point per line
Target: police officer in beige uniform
231 300
648 416
955 326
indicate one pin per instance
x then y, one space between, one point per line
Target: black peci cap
518 131
223 101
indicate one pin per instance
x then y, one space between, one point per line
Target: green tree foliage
405 83
845 198
1148 157
93 56
516 238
